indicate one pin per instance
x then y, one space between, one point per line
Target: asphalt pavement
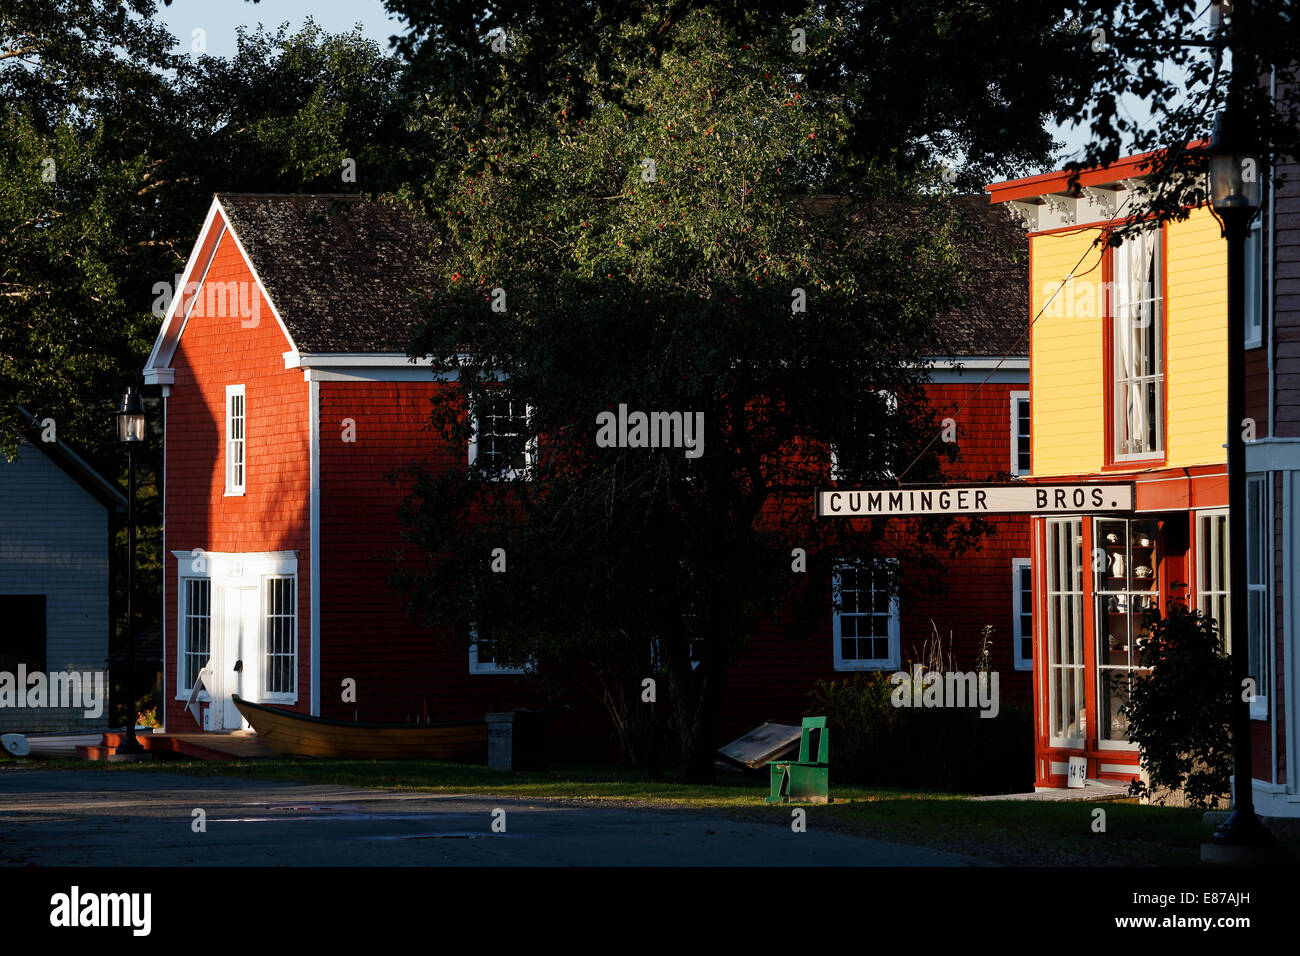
121 818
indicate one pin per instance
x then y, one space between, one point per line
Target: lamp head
130 417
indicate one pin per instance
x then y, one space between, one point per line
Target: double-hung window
195 631
236 415
501 447
1022 614
865 620
1019 433
1257 541
1138 356
280 641
1254 269
482 658
866 453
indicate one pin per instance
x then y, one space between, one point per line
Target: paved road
81 818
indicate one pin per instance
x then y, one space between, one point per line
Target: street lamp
1235 189
1235 199
130 432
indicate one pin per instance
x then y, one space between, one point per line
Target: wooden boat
301 736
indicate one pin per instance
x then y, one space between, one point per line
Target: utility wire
962 407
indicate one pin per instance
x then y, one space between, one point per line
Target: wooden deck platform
211 746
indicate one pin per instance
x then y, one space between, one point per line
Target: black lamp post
130 432
1235 198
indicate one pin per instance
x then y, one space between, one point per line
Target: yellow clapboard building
1128 383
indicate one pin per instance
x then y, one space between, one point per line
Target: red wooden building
288 398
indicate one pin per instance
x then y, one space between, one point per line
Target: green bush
945 748
859 715
1180 714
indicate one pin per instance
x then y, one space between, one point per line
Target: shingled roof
343 273
995 319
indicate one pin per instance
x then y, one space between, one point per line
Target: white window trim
184 690
1254 331
484 667
1259 706
530 451
226 569
1017 565
889 663
278 697
1201 589
1016 399
232 489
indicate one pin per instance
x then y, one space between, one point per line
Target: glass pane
1257 652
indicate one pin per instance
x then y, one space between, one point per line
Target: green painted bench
806 780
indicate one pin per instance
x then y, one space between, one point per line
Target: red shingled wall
402 669
772 678
273 515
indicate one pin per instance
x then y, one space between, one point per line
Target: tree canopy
671 250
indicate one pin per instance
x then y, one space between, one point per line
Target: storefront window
1065 666
1212 571
1126 564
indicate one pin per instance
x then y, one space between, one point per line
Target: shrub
1180 714
859 715
955 749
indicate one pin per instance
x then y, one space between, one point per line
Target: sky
217 19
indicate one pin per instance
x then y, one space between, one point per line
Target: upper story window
1254 269
1138 356
1019 433
501 447
865 456
235 448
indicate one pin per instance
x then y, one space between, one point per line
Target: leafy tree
302 112
1180 713
649 253
81 82
111 146
921 82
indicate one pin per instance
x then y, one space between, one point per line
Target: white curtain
1137 330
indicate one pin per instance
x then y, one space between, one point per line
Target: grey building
55 546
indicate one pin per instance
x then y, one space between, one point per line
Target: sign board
766 742
1078 773
975 500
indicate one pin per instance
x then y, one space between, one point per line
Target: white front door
237 669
